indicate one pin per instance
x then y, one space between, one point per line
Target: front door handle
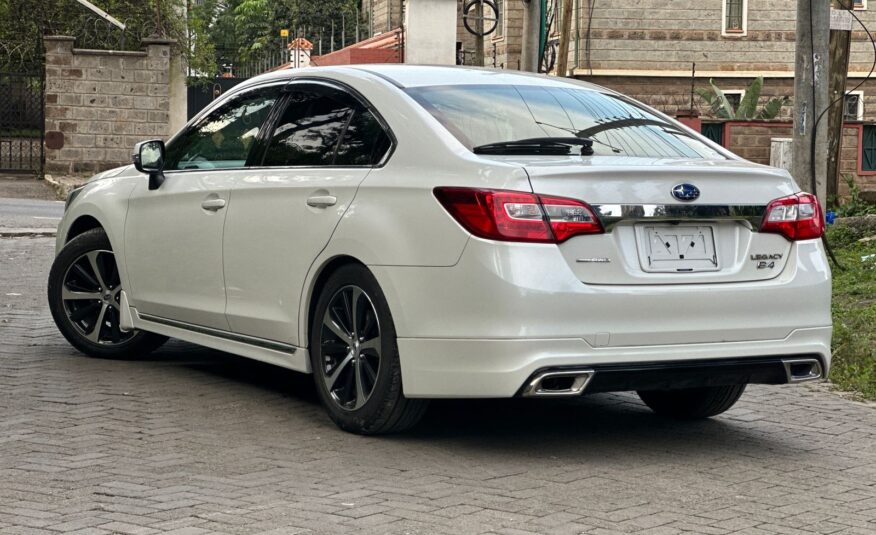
322 201
213 204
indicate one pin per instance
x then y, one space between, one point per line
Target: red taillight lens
796 217
518 216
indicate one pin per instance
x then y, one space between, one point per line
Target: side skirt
277 353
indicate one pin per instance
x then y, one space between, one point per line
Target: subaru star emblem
686 192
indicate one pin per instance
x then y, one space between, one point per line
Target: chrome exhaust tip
558 383
803 370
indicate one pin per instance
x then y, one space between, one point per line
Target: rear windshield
483 114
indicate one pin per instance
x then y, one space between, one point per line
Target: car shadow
603 426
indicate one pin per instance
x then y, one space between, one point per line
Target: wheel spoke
354 308
72 295
373 344
336 329
86 275
332 379
95 266
94 335
361 394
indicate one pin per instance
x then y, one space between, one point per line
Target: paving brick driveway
194 441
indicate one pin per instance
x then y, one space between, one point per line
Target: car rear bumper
481 328
444 368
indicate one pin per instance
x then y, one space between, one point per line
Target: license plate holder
677 248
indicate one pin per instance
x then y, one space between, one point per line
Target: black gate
202 92
22 126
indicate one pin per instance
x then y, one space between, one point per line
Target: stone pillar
99 103
430 27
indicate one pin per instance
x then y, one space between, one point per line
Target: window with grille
734 16
853 107
868 149
734 97
714 131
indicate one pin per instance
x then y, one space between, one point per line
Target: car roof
405 76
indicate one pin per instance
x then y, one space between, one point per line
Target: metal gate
22 124
201 93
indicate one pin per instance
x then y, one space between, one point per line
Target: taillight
796 217
518 216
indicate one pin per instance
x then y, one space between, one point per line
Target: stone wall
99 103
659 35
751 140
671 94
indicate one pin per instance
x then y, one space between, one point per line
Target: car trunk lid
651 236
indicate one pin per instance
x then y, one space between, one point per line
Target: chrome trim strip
612 214
251 340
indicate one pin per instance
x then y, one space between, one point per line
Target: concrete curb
27 233
63 187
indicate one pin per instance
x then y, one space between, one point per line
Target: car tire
692 403
84 297
355 357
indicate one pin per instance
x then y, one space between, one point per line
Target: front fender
107 202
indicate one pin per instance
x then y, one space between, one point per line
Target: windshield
482 114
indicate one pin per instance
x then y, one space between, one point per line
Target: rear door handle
213 204
322 201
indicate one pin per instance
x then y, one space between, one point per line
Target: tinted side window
365 142
223 138
308 132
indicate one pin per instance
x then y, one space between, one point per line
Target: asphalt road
30 213
193 441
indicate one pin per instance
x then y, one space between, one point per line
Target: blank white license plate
678 248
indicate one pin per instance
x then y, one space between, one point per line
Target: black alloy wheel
84 294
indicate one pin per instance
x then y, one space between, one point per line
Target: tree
747 110
24 23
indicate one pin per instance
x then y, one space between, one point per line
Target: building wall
430 32
99 103
503 49
751 140
383 15
672 94
650 34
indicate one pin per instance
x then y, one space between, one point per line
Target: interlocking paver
190 441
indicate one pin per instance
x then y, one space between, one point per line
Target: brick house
646 49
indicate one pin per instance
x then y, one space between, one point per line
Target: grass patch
854 314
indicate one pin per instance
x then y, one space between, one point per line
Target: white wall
430 32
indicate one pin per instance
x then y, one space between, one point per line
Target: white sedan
406 233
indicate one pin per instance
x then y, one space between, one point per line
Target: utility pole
840 46
565 35
531 32
808 166
478 59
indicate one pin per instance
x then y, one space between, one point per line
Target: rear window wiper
537 145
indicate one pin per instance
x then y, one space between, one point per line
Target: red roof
300 43
386 47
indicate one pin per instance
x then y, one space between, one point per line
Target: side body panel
271 238
174 247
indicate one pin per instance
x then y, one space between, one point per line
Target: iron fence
22 124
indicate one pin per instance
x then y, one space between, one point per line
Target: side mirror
149 158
